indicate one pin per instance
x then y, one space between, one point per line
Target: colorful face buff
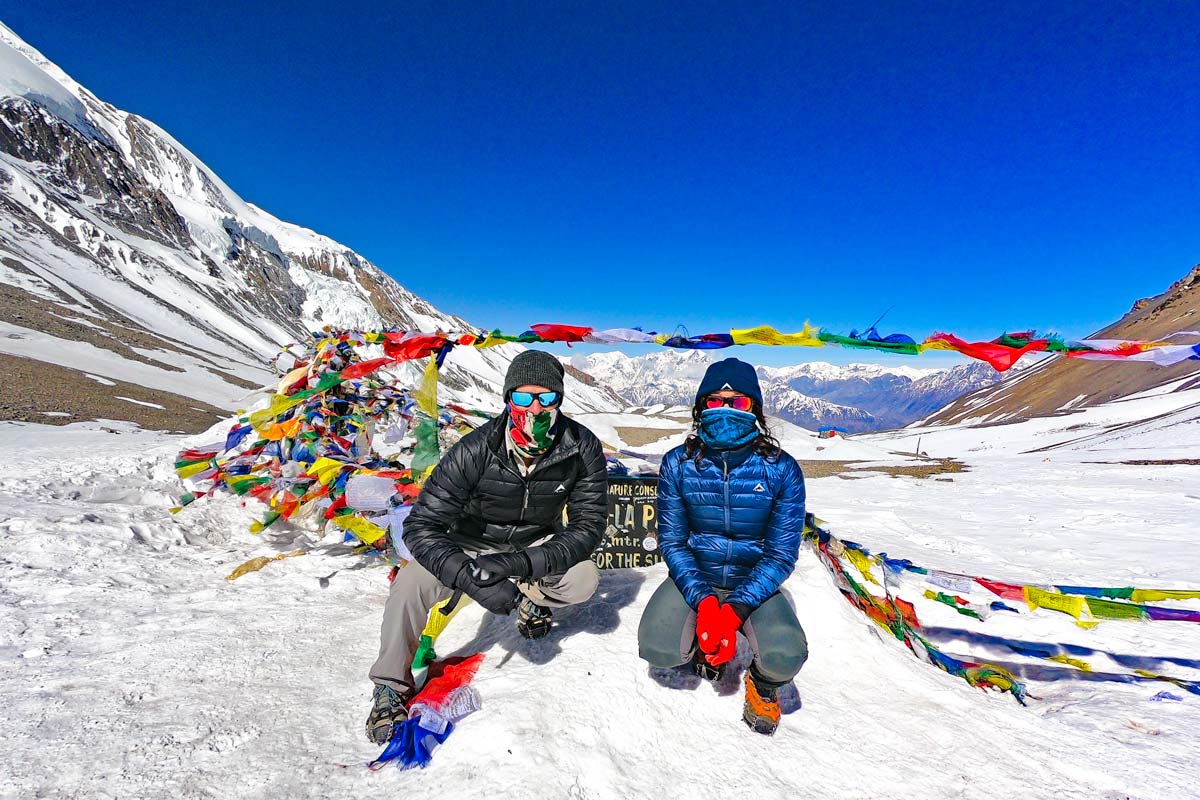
727 428
532 434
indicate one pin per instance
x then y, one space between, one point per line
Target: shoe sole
766 727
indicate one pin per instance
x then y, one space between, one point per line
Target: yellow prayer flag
1075 606
437 620
255 564
366 531
1157 595
260 420
1083 666
862 563
326 469
193 469
765 334
426 394
490 340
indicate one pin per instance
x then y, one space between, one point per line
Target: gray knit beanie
534 368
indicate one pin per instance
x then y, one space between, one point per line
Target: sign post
631 539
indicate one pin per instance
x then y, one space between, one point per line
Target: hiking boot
533 621
761 711
386 712
705 670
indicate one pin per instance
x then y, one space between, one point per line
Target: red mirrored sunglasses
739 403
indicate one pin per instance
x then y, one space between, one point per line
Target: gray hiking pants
415 591
667 634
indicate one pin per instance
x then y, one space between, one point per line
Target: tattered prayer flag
862 563
957 603
268 519
289 382
426 394
999 356
237 435
1079 664
363 368
255 564
279 403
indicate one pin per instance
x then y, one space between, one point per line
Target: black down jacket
476 500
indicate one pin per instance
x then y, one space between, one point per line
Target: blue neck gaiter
727 428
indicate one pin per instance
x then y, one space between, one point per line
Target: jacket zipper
728 533
506 464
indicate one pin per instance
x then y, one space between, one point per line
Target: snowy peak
123 257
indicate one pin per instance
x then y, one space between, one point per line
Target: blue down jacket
734 523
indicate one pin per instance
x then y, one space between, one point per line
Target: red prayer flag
364 368
560 333
400 348
1009 591
1000 356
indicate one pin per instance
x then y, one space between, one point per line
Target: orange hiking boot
761 711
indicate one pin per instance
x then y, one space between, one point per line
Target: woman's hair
765 445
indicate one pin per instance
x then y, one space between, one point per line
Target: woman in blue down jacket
730 521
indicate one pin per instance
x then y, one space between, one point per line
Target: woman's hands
717 625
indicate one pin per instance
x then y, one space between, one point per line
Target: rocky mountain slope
1059 385
125 262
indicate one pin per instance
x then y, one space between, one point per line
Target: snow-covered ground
130 668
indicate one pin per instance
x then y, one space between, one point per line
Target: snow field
131 668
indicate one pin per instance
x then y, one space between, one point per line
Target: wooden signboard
631 539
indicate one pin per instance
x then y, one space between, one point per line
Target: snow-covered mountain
857 397
135 284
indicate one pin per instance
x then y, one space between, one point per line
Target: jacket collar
731 458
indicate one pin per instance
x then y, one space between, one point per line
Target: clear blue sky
973 166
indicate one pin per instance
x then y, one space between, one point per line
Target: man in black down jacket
489 523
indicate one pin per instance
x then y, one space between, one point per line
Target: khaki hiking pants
416 591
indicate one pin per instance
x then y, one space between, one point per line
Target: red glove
727 625
706 624
716 630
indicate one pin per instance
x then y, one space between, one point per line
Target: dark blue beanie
731 374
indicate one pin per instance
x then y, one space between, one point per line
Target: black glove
495 567
499 598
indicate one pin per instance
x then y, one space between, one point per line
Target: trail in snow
131 668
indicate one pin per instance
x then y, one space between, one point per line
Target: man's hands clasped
488 580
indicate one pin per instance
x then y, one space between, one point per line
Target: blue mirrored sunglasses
525 399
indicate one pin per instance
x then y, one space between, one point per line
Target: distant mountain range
856 398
